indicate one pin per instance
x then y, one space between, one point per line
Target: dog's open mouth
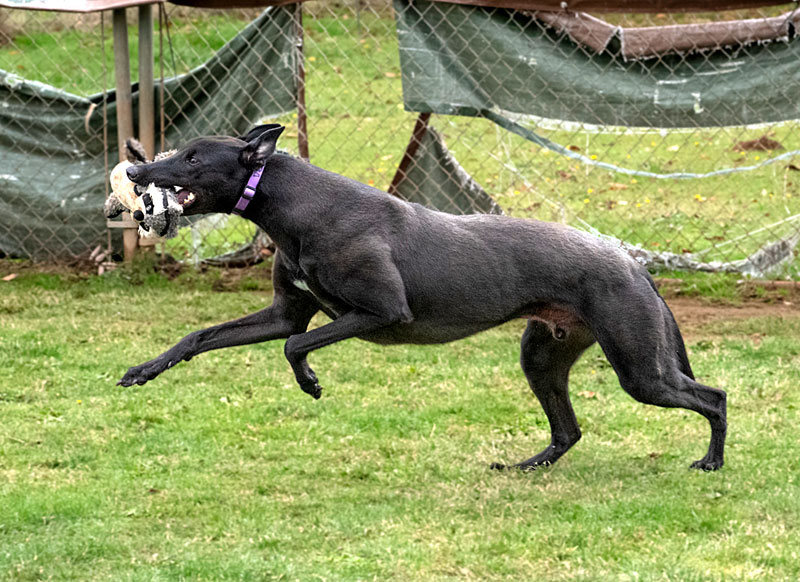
185 198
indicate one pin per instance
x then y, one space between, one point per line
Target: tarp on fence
52 173
551 5
435 178
465 60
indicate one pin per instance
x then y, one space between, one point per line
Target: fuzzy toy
157 210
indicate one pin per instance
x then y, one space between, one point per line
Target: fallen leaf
617 186
587 394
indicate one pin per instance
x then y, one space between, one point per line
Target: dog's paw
524 467
143 373
706 465
312 387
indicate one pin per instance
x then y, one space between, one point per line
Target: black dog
391 272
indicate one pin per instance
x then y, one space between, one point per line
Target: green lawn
222 469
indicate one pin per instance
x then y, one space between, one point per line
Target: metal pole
122 74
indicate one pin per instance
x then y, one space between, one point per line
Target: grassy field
358 127
222 469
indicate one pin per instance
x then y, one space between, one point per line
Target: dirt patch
694 313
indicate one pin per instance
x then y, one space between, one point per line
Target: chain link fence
705 189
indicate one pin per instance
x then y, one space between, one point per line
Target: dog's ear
258 130
259 148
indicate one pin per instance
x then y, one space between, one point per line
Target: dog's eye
192 160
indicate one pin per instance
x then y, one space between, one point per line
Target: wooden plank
122 75
420 127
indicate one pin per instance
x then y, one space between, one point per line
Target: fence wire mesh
603 176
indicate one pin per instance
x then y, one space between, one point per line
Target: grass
222 469
359 128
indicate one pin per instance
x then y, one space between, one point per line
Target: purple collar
249 192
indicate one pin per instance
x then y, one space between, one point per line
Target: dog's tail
674 333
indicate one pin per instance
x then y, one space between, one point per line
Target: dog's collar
249 192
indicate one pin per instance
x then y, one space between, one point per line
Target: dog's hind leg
547 354
653 368
676 390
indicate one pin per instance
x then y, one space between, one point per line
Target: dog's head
210 173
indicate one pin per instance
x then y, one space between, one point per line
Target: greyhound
392 272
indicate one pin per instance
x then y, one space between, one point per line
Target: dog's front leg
351 324
286 316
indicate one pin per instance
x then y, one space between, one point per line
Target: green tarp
436 179
51 143
465 60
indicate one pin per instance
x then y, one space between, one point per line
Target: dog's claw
312 388
705 465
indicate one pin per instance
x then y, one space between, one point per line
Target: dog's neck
249 192
284 205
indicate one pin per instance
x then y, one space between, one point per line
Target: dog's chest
302 278
302 285
329 304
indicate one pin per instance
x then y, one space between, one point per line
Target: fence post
302 120
420 128
146 89
122 75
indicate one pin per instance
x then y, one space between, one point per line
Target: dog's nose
133 173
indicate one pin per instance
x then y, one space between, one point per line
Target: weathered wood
122 75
